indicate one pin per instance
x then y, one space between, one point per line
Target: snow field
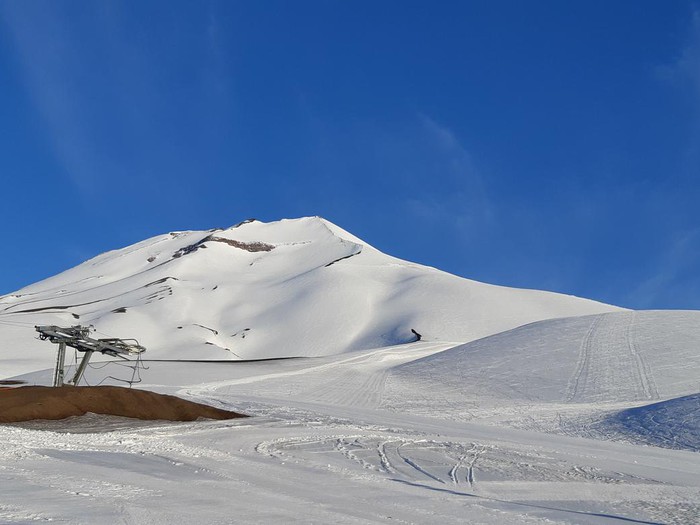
310 456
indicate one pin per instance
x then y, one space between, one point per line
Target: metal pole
60 360
81 369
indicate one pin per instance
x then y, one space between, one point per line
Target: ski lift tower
78 337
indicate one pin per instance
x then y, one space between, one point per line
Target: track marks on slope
435 462
611 365
360 381
352 387
646 376
466 464
581 373
410 462
345 379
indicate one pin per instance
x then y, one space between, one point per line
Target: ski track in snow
609 355
645 374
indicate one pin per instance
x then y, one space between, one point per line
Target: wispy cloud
675 279
688 63
215 70
458 193
45 53
92 76
683 68
672 278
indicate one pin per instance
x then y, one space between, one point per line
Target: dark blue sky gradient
551 145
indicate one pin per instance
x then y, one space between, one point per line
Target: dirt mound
39 402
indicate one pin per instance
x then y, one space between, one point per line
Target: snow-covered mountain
301 287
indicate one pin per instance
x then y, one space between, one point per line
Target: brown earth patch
26 403
248 246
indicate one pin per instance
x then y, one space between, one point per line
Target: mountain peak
294 287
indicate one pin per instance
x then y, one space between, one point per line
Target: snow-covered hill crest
300 287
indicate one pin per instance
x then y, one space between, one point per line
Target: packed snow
515 406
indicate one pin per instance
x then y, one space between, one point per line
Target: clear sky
545 144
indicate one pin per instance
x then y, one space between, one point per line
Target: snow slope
325 447
636 356
301 287
590 375
674 423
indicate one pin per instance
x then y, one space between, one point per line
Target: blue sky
547 144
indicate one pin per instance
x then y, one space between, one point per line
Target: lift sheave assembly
78 337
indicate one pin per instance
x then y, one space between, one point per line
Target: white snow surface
301 287
517 407
623 375
329 443
632 357
674 423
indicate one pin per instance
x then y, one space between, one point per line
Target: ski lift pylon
78 337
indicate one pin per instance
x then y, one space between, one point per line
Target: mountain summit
299 287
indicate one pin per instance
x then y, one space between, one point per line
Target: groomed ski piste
515 406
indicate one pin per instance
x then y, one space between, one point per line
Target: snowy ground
546 422
334 440
576 375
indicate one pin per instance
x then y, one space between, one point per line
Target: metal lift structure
78 337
